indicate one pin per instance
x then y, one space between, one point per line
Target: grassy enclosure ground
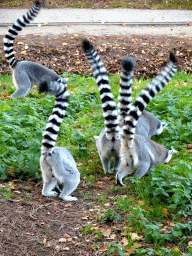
96 4
151 216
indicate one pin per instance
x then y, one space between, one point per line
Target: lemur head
53 87
170 153
160 128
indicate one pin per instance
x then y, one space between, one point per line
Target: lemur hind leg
49 182
23 85
123 172
106 161
117 163
142 168
70 184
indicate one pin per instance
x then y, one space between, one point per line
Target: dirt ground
31 224
64 53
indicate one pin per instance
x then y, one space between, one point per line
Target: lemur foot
69 198
51 193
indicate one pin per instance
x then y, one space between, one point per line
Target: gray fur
149 125
27 73
107 149
143 155
59 168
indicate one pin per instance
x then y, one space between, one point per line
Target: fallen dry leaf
112 237
62 240
165 212
66 248
134 236
68 205
124 241
104 249
106 232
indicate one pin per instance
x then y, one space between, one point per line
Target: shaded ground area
64 53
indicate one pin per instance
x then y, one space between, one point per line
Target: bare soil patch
65 54
35 225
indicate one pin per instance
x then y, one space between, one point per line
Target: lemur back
108 142
148 124
137 150
57 163
25 73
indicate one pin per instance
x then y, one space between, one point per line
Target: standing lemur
148 124
26 73
136 150
57 163
108 142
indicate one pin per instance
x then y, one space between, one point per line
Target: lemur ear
66 78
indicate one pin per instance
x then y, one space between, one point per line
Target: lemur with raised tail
148 124
26 73
136 150
57 164
108 142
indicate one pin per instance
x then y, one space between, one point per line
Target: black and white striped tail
125 89
60 91
148 94
13 32
108 103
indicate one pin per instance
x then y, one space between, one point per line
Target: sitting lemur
57 163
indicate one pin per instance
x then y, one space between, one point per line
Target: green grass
147 205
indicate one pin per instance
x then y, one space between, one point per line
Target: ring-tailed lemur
137 150
57 163
26 73
106 147
108 142
148 124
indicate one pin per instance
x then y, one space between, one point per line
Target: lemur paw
69 198
110 171
51 193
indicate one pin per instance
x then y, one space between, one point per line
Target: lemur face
170 153
161 128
